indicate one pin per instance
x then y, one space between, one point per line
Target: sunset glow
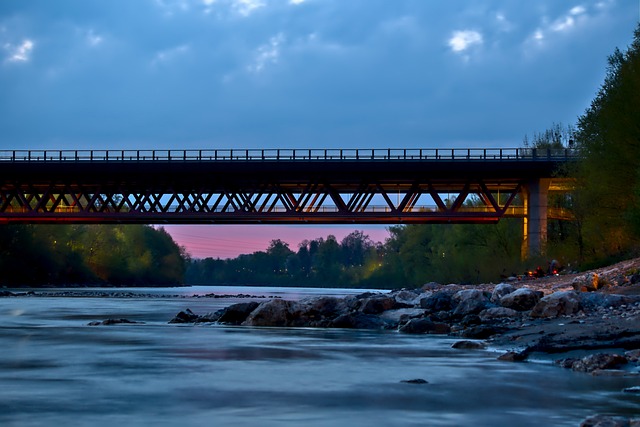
229 241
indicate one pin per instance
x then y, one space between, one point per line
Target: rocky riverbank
596 313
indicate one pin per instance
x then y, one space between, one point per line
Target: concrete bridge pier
535 198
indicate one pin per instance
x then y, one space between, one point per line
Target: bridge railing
286 154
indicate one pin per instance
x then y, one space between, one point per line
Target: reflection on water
55 370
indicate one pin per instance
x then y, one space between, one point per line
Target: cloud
168 55
503 23
296 1
93 39
268 53
170 7
461 41
563 24
247 7
21 52
577 10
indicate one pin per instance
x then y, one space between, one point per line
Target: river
57 371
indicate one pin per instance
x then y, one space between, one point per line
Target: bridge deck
283 186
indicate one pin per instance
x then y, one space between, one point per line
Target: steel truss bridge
289 186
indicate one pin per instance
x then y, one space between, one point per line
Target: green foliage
608 198
89 254
555 137
413 255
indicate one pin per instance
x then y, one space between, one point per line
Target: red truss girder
323 202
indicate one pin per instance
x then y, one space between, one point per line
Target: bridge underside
245 192
312 202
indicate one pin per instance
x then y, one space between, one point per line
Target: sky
204 74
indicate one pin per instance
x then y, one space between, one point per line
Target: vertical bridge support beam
534 236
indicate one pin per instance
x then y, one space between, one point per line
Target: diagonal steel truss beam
365 201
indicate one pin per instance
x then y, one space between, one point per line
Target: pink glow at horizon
229 241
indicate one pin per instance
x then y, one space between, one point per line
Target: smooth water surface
56 370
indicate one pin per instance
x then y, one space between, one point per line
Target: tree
609 139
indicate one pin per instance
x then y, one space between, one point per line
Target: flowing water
56 370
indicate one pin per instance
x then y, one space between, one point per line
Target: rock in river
276 312
424 326
522 299
237 313
557 304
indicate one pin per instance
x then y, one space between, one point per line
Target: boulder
482 332
497 313
424 326
4 293
186 316
632 355
595 300
431 286
409 296
114 322
557 304
513 356
415 381
324 306
599 361
522 299
275 312
470 320
358 321
586 283
402 314
378 304
237 313
566 363
501 290
606 421
438 301
441 316
469 345
469 301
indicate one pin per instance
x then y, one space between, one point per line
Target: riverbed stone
108 322
358 321
589 282
415 381
599 361
513 356
186 316
409 296
424 326
378 304
632 355
500 290
237 313
481 332
522 299
438 301
470 320
402 314
469 345
605 421
557 304
497 313
596 300
276 312
324 306
469 301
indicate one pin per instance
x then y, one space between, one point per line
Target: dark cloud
322 73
